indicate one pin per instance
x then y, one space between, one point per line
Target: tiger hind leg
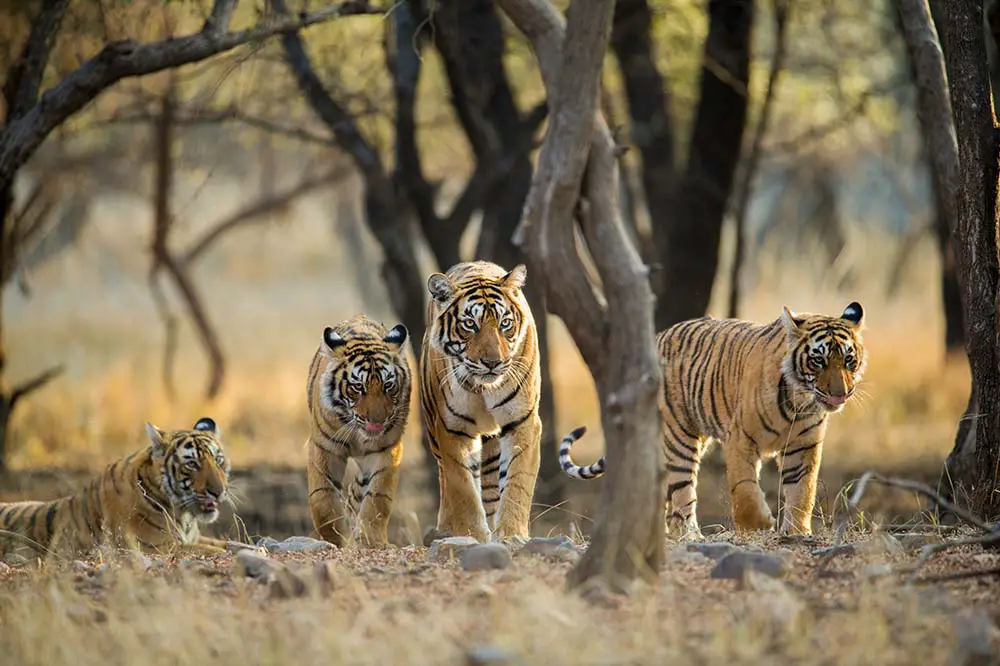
683 461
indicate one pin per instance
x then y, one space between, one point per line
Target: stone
445 549
682 555
835 551
712 550
284 583
434 534
735 565
484 557
253 565
489 655
881 545
555 548
295 544
16 560
913 542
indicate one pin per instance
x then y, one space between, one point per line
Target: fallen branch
917 487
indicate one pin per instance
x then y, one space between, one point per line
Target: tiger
763 391
153 500
480 389
358 394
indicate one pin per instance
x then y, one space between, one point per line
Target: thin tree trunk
687 242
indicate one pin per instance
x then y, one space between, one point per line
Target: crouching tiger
153 499
764 391
359 402
479 375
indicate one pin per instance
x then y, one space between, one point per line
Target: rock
253 565
445 549
713 550
881 545
484 557
835 551
912 542
488 655
434 534
555 548
16 560
237 546
295 544
682 555
735 565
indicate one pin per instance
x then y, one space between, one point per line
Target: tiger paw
513 542
751 512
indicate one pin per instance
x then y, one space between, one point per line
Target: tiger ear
157 440
441 288
788 319
516 278
396 337
855 314
207 424
333 339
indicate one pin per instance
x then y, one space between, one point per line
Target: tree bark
972 179
687 242
613 331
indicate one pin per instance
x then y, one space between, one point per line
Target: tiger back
479 374
153 499
763 391
358 394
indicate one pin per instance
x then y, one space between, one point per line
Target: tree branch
256 210
218 20
25 78
20 138
28 387
745 188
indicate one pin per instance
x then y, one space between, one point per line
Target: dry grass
395 607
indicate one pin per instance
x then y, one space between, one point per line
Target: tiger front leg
326 494
799 474
749 504
377 480
461 511
520 456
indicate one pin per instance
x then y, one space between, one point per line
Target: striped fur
154 499
479 380
359 403
764 391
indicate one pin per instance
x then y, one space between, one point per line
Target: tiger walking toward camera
479 374
153 499
359 402
763 391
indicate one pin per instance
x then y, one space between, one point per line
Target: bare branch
933 102
222 14
916 487
257 211
336 118
745 187
21 88
119 60
28 387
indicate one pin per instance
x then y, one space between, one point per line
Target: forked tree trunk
614 332
968 169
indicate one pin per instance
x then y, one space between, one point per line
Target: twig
33 384
962 575
916 487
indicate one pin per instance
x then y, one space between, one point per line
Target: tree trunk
687 240
615 331
974 233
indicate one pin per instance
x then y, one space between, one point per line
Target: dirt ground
399 606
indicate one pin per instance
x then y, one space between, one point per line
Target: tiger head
195 470
826 354
480 323
366 384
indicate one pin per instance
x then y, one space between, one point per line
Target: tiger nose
491 362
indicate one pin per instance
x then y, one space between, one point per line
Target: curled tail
573 470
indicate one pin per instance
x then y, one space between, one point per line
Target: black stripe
459 433
510 396
514 424
811 427
679 454
801 449
452 411
679 469
674 487
783 399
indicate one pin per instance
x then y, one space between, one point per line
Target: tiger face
479 324
366 384
195 470
826 355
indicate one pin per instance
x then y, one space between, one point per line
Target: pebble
735 565
484 557
445 549
295 544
